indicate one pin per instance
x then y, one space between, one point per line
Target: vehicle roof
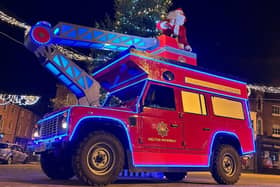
134 65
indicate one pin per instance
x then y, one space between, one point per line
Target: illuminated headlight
36 134
64 125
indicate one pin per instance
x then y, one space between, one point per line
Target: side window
227 108
160 97
193 103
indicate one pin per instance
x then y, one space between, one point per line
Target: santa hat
180 11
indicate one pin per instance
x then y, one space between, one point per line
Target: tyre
226 165
99 159
56 168
178 176
9 161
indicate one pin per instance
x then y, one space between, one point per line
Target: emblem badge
162 129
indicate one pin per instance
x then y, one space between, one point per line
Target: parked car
12 153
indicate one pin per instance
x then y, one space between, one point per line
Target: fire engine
162 112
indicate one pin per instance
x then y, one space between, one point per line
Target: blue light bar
52 68
65 80
78 92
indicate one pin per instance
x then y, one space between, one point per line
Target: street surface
30 175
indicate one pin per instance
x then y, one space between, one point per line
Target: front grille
51 126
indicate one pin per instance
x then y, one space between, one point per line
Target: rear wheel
58 168
226 165
178 176
99 159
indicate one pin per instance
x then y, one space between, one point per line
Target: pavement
30 175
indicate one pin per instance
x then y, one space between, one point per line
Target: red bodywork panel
167 138
187 145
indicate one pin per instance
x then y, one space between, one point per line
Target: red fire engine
162 112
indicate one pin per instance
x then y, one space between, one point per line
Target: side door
161 126
197 121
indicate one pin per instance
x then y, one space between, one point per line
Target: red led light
41 35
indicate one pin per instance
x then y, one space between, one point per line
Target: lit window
1 122
275 110
276 130
193 103
227 108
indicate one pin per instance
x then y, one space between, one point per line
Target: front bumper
40 147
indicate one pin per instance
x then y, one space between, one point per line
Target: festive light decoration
70 54
18 99
122 20
13 21
266 89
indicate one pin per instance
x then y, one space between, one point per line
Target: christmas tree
134 17
139 17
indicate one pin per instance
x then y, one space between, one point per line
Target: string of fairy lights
18 99
30 100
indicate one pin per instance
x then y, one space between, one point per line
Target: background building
16 124
265 112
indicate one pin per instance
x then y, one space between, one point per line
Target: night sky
237 37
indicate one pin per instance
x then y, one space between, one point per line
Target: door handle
174 125
206 129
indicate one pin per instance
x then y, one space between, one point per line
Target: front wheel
99 159
178 176
57 168
226 165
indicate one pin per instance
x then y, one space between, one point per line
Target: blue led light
193 70
76 71
114 62
197 89
69 71
52 139
65 80
66 28
66 42
78 92
56 31
72 34
97 33
89 81
81 82
65 62
128 80
111 36
56 60
82 44
104 117
88 36
82 30
52 68
54 115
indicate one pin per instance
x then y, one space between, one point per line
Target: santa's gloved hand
188 48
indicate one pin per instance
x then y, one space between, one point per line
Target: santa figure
174 26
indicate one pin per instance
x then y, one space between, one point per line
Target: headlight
64 122
36 134
64 125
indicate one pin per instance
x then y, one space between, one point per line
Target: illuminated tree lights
18 99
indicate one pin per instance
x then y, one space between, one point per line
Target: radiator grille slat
50 127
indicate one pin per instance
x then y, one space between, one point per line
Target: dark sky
236 37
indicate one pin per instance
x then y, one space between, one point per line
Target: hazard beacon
162 113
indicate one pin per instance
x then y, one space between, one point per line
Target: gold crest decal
162 129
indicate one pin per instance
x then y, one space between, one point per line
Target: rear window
3 146
227 108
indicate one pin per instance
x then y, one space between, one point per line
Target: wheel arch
111 125
224 137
